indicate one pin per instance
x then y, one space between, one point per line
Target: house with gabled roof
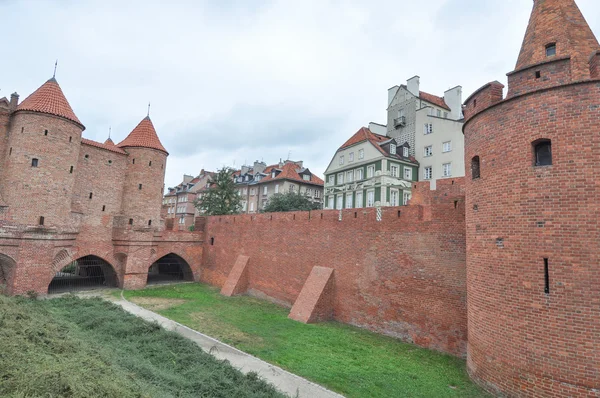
178 202
370 170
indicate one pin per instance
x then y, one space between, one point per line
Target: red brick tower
143 190
533 215
41 153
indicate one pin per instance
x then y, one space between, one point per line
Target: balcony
400 121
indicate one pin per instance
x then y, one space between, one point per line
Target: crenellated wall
403 276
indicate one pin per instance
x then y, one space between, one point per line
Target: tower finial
109 131
148 115
55 65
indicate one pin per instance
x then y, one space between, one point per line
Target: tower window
133 161
70 139
34 162
10 152
71 170
546 277
45 132
550 50
150 163
475 167
103 207
149 223
91 194
538 74
22 130
87 156
140 186
131 221
41 221
110 162
542 152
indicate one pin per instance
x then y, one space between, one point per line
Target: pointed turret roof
560 22
109 141
144 136
49 99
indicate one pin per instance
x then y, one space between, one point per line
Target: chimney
259 167
392 93
244 169
413 85
14 101
453 98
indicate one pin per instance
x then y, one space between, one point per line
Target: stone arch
169 268
84 273
7 268
65 258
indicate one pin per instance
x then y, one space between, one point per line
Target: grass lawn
351 361
82 348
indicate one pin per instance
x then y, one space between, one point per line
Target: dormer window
306 177
405 152
550 50
392 149
273 174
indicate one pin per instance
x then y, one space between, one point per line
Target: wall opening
103 207
10 152
542 151
538 74
34 162
86 273
131 221
7 265
71 170
550 49
546 277
139 186
70 139
212 241
41 220
168 269
45 132
475 168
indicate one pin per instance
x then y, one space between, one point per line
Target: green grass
80 348
351 361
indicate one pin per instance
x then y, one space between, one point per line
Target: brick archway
194 265
66 257
169 268
7 267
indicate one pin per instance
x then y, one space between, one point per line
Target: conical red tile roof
560 22
49 99
143 136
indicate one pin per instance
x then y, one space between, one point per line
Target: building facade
179 201
260 182
64 198
370 170
533 215
432 127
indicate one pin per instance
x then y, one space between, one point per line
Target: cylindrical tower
533 215
144 179
42 151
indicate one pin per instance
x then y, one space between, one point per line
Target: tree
290 202
222 197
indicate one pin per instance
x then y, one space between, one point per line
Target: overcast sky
233 81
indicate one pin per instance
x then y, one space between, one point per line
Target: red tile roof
144 136
108 146
49 99
434 99
289 171
364 134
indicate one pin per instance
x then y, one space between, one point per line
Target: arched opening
7 265
475 167
85 273
168 269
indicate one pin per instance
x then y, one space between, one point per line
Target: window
252 192
439 113
405 198
91 194
445 115
45 132
408 173
538 74
71 170
139 186
265 190
349 200
551 50
370 171
252 206
447 170
292 188
332 179
10 152
405 152
475 168
359 199
359 174
330 202
361 154
401 112
316 193
340 178
394 171
393 197
392 149
306 177
370 198
149 222
340 202
428 151
131 221
341 159
308 191
149 164
41 221
110 162
351 157
70 139
428 128
447 146
349 176
427 173
543 152
34 162
277 188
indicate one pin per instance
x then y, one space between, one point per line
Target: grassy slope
349 360
71 347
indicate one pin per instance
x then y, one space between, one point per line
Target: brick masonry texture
315 301
403 276
237 281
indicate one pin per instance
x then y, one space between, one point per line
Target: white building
432 127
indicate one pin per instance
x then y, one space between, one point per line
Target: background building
178 203
370 170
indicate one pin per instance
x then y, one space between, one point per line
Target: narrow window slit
546 277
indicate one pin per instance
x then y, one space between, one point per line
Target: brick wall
523 341
403 276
